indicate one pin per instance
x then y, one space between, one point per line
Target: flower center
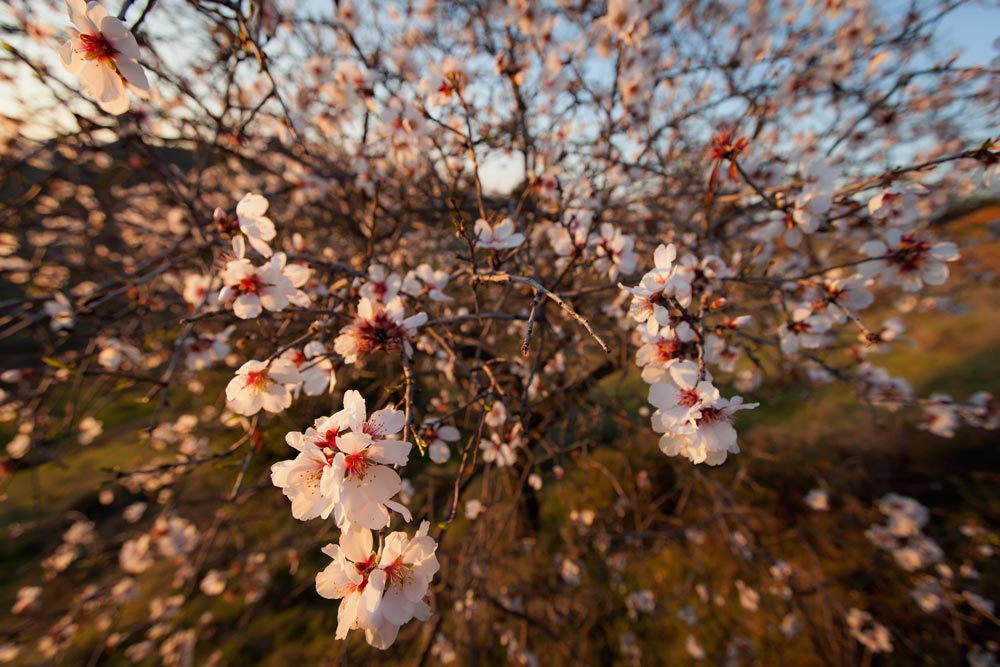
258 380
669 349
710 415
97 47
330 438
397 572
910 253
689 398
380 333
355 465
250 284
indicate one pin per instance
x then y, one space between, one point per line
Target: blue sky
973 28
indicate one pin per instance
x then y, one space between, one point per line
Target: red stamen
97 47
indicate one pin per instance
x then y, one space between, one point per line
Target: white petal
133 73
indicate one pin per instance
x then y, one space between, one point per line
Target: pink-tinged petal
382 482
300 299
259 245
347 615
284 371
672 444
307 506
385 422
664 256
246 306
448 433
78 16
421 611
356 544
383 636
295 440
439 452
415 321
133 72
685 373
514 240
278 262
252 206
117 106
399 509
67 56
395 607
297 274
368 515
353 443
96 12
376 582
354 407
267 230
273 299
483 231
332 582
874 249
119 36
946 251
280 472
100 81
504 229
275 398
365 309
664 395
935 273
390 452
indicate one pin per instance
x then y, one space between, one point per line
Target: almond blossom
379 592
872 635
261 385
316 372
104 54
803 329
437 437
569 238
847 295
272 286
694 419
115 353
60 311
498 450
425 280
257 228
406 567
346 579
663 348
201 289
614 251
204 349
299 478
381 286
908 259
378 327
651 297
343 466
497 237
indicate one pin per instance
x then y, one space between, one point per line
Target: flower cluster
694 419
345 469
379 590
